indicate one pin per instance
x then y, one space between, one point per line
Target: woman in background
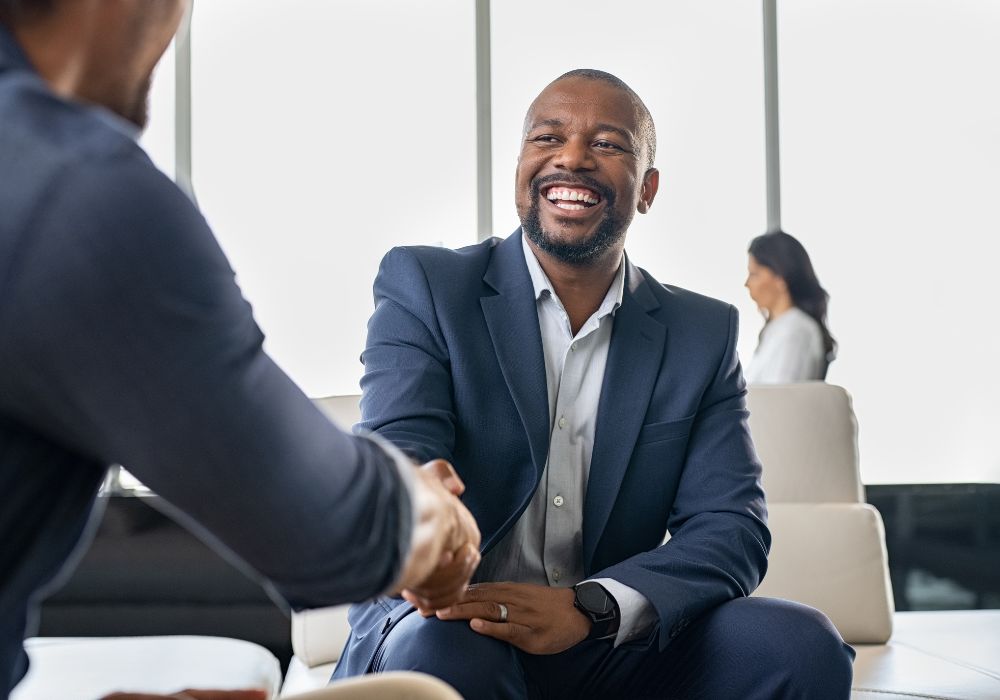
795 345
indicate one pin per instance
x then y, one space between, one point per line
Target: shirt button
556 574
573 346
557 501
562 422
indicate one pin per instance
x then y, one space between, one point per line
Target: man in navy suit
590 411
125 339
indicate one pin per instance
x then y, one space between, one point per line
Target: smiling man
590 410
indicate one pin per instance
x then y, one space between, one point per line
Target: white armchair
828 551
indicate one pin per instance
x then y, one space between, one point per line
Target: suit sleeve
131 343
407 386
719 537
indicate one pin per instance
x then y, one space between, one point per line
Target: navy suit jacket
454 369
124 339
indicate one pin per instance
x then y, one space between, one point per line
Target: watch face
593 597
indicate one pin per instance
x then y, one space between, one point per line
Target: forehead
583 101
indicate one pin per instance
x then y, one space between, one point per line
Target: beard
610 231
136 110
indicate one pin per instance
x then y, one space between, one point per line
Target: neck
780 307
57 46
581 289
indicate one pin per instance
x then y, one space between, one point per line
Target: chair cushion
806 437
832 557
953 655
77 668
318 636
301 678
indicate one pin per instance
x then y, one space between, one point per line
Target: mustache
607 194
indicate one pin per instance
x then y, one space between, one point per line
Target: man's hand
194 695
540 620
445 550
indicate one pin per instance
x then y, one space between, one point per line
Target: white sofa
828 551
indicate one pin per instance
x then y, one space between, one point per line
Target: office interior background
324 133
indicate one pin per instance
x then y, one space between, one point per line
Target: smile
571 198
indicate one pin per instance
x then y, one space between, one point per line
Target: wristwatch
600 607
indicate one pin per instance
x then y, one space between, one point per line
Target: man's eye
545 138
609 145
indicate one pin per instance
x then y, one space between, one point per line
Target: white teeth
567 205
570 196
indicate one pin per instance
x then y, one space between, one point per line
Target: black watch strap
594 601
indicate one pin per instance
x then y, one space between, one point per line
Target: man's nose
575 155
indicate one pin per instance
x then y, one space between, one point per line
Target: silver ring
503 612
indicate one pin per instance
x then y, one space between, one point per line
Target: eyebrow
600 127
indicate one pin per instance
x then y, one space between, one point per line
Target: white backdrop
327 132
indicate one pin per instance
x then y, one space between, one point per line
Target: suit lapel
512 319
634 358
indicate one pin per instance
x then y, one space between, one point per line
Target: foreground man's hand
445 551
540 619
194 695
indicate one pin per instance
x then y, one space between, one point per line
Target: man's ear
650 183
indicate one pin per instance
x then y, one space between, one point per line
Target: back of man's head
17 11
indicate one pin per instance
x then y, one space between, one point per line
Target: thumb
447 475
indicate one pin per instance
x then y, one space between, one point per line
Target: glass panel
324 134
698 66
890 143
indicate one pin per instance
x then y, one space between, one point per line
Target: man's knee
475 665
795 647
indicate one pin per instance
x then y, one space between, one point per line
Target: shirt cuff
407 498
636 614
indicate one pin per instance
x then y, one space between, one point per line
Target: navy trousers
748 648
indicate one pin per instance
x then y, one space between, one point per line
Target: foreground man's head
585 168
97 51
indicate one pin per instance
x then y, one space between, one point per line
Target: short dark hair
14 11
647 130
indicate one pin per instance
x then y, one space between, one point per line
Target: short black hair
647 130
14 11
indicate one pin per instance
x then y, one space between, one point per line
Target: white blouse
790 350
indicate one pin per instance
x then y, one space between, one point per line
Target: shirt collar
541 283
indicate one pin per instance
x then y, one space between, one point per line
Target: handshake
445 545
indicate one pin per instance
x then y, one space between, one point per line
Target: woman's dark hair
788 259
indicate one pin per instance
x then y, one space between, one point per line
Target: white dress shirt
790 350
545 546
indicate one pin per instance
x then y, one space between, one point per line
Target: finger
470 611
487 592
505 631
447 474
450 580
254 694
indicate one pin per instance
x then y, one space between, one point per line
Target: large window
890 144
324 134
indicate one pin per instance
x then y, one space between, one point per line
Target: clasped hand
445 550
540 619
